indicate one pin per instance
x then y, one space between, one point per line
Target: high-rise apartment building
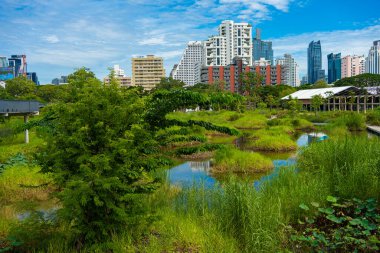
334 67
189 67
147 71
234 40
372 64
18 63
352 65
119 74
229 77
118 71
314 62
290 70
261 49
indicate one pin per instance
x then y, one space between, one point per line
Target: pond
198 172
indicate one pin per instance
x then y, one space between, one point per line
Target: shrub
342 226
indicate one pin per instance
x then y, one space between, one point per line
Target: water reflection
195 173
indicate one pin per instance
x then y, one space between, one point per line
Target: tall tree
20 87
316 102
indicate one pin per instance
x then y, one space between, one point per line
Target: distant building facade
352 66
229 77
262 49
189 67
290 66
262 62
233 40
33 77
314 62
334 67
124 81
147 71
372 64
118 71
19 65
59 81
3 62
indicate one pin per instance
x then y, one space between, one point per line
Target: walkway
374 129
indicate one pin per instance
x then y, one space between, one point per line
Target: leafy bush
197 149
373 117
343 226
352 120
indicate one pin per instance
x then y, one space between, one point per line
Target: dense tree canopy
363 80
20 87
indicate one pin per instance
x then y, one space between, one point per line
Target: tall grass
349 166
230 159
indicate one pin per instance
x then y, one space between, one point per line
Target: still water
198 173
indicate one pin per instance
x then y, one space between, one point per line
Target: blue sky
59 36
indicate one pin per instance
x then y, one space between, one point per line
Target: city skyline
99 34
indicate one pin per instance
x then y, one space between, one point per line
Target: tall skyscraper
147 71
314 62
262 49
234 40
290 70
3 62
372 64
334 67
352 65
18 63
189 67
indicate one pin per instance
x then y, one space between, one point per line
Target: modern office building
33 77
290 66
334 62
314 62
229 77
3 62
304 80
18 63
59 81
261 49
372 64
189 67
147 71
352 66
233 40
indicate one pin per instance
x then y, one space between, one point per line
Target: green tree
51 93
366 80
100 155
316 102
271 101
249 82
168 83
320 84
293 105
20 87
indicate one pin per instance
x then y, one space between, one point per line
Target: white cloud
341 41
159 40
51 39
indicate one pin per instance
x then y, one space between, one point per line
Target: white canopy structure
324 92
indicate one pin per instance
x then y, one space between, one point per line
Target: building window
239 32
217 51
239 51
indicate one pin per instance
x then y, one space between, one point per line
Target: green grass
275 139
233 160
349 166
246 120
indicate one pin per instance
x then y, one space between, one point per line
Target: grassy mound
233 160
